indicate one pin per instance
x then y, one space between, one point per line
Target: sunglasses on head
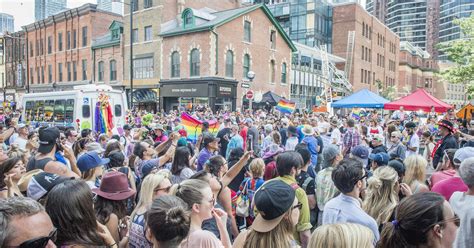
40 242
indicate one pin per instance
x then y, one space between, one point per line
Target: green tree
461 53
388 93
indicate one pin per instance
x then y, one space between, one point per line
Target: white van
74 108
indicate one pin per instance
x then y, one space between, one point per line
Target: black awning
144 95
271 98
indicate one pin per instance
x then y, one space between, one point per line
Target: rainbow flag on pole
286 106
194 127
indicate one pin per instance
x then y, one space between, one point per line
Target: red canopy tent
418 100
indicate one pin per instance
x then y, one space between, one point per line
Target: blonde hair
16 151
257 167
397 133
415 169
341 235
148 186
278 237
382 194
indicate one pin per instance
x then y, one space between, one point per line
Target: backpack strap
306 183
294 186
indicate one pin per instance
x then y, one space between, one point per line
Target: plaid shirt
351 138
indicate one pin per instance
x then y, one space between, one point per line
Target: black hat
446 124
47 139
398 166
272 201
292 130
40 184
209 138
410 125
127 127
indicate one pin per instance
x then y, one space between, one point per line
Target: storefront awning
145 95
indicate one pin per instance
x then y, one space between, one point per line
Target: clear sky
24 10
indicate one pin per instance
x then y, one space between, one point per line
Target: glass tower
45 8
6 23
308 22
408 20
451 10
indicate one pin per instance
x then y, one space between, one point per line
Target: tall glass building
6 23
451 10
308 22
45 8
408 20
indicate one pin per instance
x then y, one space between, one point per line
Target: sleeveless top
136 238
34 163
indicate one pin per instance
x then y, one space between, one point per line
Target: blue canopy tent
363 98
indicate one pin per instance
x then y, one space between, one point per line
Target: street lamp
250 76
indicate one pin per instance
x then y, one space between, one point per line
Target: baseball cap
329 153
463 154
209 138
380 158
360 151
47 139
410 125
21 125
272 201
42 183
127 127
398 166
90 160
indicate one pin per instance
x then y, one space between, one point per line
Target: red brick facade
376 47
416 70
60 47
230 37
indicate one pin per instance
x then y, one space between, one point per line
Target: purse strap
244 191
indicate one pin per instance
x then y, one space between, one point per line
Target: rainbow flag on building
194 127
286 106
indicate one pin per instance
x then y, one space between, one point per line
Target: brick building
148 17
14 79
59 47
107 56
206 56
375 48
416 70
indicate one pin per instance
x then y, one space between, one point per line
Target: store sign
183 90
245 85
225 91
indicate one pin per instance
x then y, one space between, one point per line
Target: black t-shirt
224 136
301 178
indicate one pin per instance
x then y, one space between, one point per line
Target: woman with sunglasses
154 186
198 195
421 220
278 210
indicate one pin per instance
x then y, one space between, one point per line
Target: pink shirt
448 186
441 175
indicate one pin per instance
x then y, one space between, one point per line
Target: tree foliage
461 53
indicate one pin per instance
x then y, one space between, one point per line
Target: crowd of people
259 179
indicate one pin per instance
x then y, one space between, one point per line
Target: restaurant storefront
217 93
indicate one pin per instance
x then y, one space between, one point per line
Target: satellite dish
258 97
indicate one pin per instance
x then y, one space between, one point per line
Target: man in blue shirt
313 148
350 179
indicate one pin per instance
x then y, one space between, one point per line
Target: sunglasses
456 221
40 242
298 206
362 177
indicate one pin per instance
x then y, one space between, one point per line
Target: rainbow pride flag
194 127
286 106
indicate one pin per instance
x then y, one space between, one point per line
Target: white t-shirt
414 142
336 135
21 142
